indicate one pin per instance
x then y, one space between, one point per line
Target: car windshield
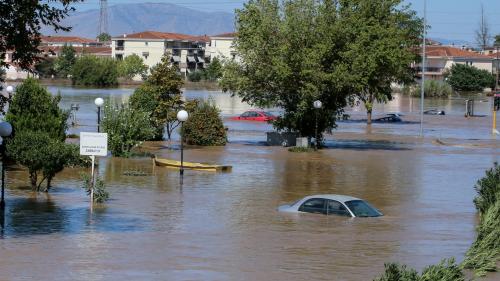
267 114
362 209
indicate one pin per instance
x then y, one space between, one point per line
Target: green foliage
126 127
497 41
45 68
65 62
104 37
131 66
485 251
214 70
432 89
39 125
204 126
379 38
34 108
160 96
94 71
446 270
100 193
196 76
463 77
295 52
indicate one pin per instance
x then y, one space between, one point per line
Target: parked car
434 112
390 117
255 115
332 204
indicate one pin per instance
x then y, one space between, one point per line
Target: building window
119 57
146 43
145 55
468 63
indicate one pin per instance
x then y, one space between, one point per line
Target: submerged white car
332 204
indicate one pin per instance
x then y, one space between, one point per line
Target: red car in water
255 115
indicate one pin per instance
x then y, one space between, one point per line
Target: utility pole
422 90
103 19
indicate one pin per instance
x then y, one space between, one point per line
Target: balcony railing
430 69
119 48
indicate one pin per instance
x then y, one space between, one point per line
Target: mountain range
130 18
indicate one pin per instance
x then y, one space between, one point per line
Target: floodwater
224 226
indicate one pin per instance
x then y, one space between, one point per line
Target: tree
20 24
126 127
45 68
64 63
381 36
204 126
497 41
94 71
39 126
483 32
463 77
159 96
104 37
287 52
131 66
214 70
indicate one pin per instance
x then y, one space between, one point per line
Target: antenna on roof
103 19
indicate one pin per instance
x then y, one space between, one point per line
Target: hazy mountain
129 18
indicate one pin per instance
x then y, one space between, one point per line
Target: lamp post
182 116
10 90
5 131
317 105
99 102
422 87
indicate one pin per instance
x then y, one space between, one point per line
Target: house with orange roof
186 51
60 41
439 59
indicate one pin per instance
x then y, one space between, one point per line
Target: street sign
93 144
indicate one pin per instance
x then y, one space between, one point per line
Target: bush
463 77
126 127
204 126
94 71
485 251
45 68
196 76
131 66
432 89
65 62
446 270
100 193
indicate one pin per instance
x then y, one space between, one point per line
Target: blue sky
449 19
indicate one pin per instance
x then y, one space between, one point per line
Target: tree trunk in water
49 183
369 117
33 179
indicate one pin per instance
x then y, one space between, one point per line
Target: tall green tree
104 37
39 133
214 70
20 25
381 36
131 66
291 55
94 71
497 41
160 96
64 63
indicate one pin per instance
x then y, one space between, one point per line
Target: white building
439 59
185 51
60 41
222 46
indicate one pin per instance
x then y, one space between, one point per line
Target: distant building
441 58
222 46
186 51
13 71
59 41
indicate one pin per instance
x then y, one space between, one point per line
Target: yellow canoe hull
191 166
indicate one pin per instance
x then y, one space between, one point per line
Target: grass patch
300 149
73 136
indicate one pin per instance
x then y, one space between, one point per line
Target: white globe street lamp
99 102
10 89
5 131
182 116
317 105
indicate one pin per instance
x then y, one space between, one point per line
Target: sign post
93 144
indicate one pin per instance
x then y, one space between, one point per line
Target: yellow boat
191 166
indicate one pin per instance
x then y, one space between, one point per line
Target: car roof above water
337 197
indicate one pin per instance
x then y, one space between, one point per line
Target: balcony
119 48
438 70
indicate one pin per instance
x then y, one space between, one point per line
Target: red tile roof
66 39
446 51
162 35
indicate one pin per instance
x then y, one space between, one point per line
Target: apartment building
222 46
186 51
441 58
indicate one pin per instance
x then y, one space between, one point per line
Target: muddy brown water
224 226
